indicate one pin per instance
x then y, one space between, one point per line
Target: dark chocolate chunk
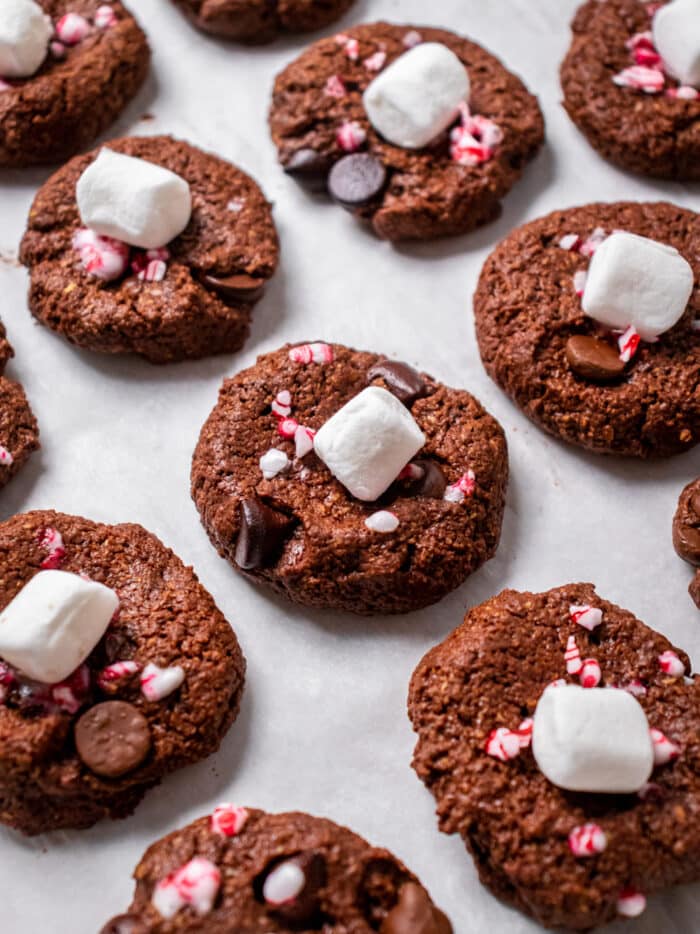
356 180
112 738
401 380
309 168
593 359
432 484
414 913
262 535
241 287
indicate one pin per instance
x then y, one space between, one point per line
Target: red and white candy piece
196 884
52 541
683 93
382 521
105 17
412 39
591 674
628 344
103 257
273 462
335 87
465 486
350 136
72 28
303 441
475 140
572 657
375 62
665 750
635 687
505 744
157 683
587 840
580 279
585 615
116 671
311 353
570 242
641 40
351 47
57 50
631 903
591 244
71 694
5 85
671 664
641 78
287 428
6 458
411 472
228 820
282 405
284 883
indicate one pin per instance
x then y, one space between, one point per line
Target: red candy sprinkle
671 664
228 820
572 657
665 750
628 344
587 840
590 673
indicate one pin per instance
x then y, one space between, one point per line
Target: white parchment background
323 725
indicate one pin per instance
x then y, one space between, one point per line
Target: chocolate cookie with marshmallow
346 480
240 869
104 685
589 319
68 68
558 735
149 246
631 82
416 130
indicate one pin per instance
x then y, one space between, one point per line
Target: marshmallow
368 442
639 282
592 739
417 96
53 624
676 31
25 31
133 200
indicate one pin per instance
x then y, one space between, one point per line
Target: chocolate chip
309 168
241 287
356 180
305 907
593 359
112 738
263 533
432 484
414 913
686 541
401 379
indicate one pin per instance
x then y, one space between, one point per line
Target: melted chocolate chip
263 533
356 180
112 738
305 908
432 484
593 359
241 287
401 379
309 168
414 913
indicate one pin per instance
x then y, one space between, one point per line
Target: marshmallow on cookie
634 281
25 31
368 442
418 96
53 623
676 32
133 200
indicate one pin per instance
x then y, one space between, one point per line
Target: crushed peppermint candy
412 39
72 28
351 47
590 675
631 903
105 17
671 664
52 541
196 884
375 62
350 136
6 458
412 472
580 279
57 50
641 78
235 205
587 840
284 883
157 683
303 441
591 244
103 257
465 486
273 462
683 93
665 750
335 87
287 427
116 672
628 344
382 521
505 744
475 140
228 820
570 242
636 688
587 616
572 657
282 405
311 353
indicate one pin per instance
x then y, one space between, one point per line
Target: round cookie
654 133
301 531
147 700
81 88
485 681
529 321
19 432
686 533
317 119
197 303
255 873
257 21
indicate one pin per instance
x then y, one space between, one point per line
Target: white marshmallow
639 282
417 96
25 31
368 442
676 31
133 200
592 739
53 624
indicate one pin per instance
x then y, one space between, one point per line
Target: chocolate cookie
96 62
530 327
570 859
319 123
19 433
273 508
619 95
686 532
146 700
194 298
261 20
256 873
